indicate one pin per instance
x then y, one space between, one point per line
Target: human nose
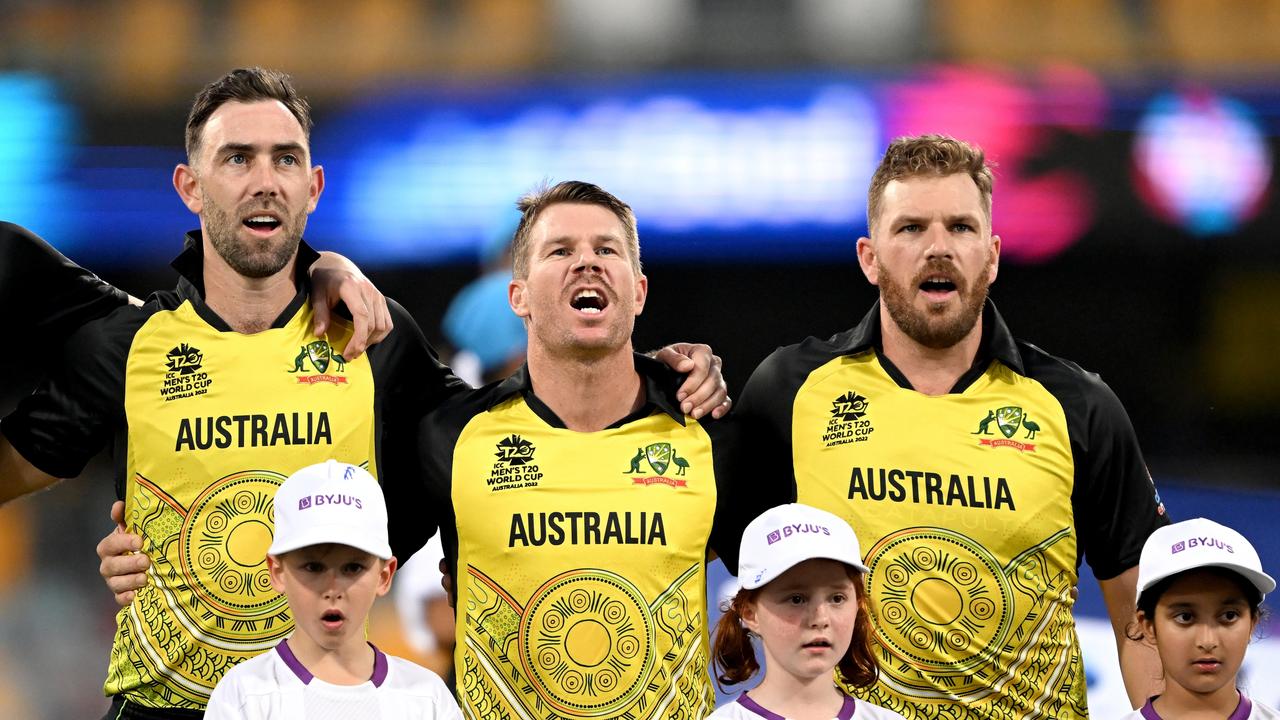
1207 638
820 615
940 243
264 179
586 259
333 586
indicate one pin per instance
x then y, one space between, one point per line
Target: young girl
1199 588
800 590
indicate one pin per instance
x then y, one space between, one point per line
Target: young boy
331 559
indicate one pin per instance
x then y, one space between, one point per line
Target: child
331 559
1199 588
800 590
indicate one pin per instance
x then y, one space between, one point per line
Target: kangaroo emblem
320 353
983 426
635 461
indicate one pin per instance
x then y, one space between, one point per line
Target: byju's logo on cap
1209 542
319 499
774 537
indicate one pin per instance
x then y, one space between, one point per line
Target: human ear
187 184
275 569
867 260
516 298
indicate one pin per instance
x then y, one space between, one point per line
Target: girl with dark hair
1200 585
801 593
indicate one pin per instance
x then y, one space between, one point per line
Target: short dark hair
245 85
929 155
569 191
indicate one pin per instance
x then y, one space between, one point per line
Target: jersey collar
380 664
660 385
997 344
190 267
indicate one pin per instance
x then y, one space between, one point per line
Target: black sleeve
741 494
79 407
1115 503
412 383
754 469
43 291
763 417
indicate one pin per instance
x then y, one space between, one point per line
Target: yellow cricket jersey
973 510
579 557
208 422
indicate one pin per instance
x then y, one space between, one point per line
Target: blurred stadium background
1136 143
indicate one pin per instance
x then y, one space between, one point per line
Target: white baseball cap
787 535
1199 543
332 502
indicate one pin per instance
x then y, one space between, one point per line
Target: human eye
795 599
289 160
1231 616
353 568
962 227
1184 617
237 159
606 250
312 566
911 228
839 598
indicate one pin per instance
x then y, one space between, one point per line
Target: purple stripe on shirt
379 666
1243 709
756 708
291 660
846 710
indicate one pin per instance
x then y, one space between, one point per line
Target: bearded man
917 425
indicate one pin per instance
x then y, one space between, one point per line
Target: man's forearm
1141 669
1139 664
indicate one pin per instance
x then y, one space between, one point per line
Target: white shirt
744 708
275 685
1246 710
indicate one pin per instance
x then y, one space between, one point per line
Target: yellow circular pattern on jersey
223 549
586 640
939 600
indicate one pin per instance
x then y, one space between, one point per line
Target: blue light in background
1202 161
714 166
36 134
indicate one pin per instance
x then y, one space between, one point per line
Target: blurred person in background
426 620
978 469
489 339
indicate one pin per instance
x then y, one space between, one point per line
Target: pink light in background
1037 216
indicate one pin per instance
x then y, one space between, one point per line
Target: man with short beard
976 469
214 392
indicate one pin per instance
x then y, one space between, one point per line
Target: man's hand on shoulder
704 390
336 279
123 568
